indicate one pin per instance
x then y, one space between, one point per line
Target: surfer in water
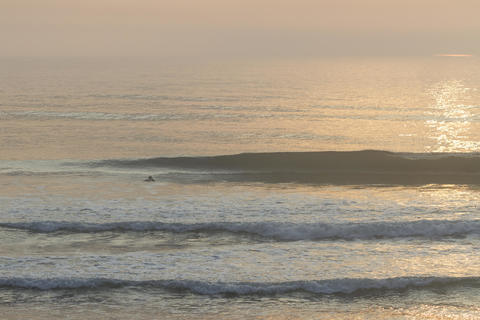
149 179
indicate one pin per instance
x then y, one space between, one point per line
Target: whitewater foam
322 287
281 231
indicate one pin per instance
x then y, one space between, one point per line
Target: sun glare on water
456 55
450 120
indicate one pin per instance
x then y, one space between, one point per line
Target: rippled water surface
294 228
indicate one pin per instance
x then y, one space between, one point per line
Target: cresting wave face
282 231
349 167
321 287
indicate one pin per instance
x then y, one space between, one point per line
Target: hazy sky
237 28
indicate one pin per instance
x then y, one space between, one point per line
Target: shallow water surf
251 246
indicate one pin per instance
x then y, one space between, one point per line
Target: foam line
321 287
282 231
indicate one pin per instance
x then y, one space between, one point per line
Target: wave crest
282 231
352 167
322 287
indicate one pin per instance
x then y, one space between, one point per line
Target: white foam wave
331 286
275 230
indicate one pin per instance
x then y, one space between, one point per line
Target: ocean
330 188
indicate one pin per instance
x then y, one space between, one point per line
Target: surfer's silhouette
149 179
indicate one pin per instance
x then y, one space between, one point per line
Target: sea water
320 189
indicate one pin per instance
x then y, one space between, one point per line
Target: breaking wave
320 287
281 231
368 166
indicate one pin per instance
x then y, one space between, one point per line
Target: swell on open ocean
319 189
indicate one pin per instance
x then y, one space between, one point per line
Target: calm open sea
257 210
